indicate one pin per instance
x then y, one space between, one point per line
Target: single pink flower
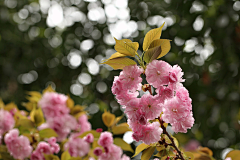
89 138
184 124
77 147
183 96
7 121
97 151
112 152
157 73
151 133
150 106
174 111
18 146
175 77
130 78
105 139
53 104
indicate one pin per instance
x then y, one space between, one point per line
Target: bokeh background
61 43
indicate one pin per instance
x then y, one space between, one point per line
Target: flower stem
171 139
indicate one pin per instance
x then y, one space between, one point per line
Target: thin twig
171 139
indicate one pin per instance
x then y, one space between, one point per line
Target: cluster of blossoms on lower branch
166 95
37 135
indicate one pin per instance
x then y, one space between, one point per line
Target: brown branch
171 139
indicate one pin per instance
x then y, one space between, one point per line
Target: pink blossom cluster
7 122
79 147
57 116
169 98
18 146
45 148
110 151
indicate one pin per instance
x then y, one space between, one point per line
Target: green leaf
140 148
119 63
121 128
121 143
116 55
65 156
47 133
25 124
95 134
126 47
152 54
50 157
151 36
146 155
164 44
37 116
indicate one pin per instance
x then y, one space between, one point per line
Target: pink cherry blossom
62 125
125 97
77 147
53 104
130 78
150 106
183 96
55 148
175 77
174 111
105 139
151 133
112 152
7 121
184 124
117 86
18 146
36 156
97 151
157 73
83 125
132 107
164 93
89 138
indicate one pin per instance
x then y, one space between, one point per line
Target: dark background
43 42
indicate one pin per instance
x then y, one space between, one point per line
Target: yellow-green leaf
164 44
146 155
108 118
95 134
70 102
189 155
116 55
121 128
234 154
65 156
25 123
47 133
126 47
48 89
118 119
37 116
140 148
119 63
10 106
152 54
121 143
77 111
151 36
50 157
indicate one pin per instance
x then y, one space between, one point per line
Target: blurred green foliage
41 42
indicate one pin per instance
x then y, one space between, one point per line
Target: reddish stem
171 139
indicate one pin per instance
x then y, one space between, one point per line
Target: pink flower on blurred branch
7 121
53 104
18 146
